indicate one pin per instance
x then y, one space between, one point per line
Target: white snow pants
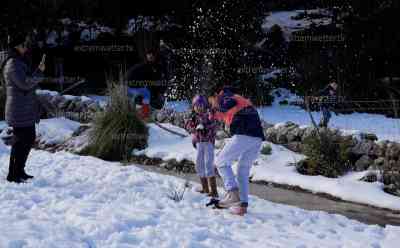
246 149
205 159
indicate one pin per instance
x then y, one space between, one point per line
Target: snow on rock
56 130
273 74
78 201
289 24
101 100
281 94
47 92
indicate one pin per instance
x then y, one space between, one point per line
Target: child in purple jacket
203 130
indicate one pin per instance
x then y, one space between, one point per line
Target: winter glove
200 127
194 144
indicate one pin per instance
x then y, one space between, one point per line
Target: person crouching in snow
203 130
244 125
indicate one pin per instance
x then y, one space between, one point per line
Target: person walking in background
203 130
22 109
328 102
244 125
143 79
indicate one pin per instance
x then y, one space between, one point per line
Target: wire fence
390 107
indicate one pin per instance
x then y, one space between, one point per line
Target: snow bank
56 130
165 145
275 168
78 201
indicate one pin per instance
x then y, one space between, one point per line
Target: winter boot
238 210
231 198
13 176
212 182
204 186
25 176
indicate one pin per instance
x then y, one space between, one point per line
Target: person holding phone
22 108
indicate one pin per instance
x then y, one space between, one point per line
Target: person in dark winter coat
328 102
147 77
22 108
244 123
203 130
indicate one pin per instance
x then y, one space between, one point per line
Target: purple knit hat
200 101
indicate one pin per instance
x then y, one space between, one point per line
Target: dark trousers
326 116
24 141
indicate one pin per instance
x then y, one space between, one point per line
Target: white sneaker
231 199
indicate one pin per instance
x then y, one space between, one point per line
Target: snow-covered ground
78 201
275 168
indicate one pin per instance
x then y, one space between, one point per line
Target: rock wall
77 108
364 146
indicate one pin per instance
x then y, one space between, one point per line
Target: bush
327 155
390 172
266 149
117 130
284 102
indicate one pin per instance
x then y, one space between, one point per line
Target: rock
55 100
363 147
290 124
63 104
370 177
270 134
309 131
379 162
363 163
266 125
295 146
294 134
94 107
281 138
368 136
375 151
392 151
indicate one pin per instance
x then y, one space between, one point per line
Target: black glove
194 144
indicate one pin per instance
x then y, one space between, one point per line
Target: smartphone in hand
43 61
42 65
